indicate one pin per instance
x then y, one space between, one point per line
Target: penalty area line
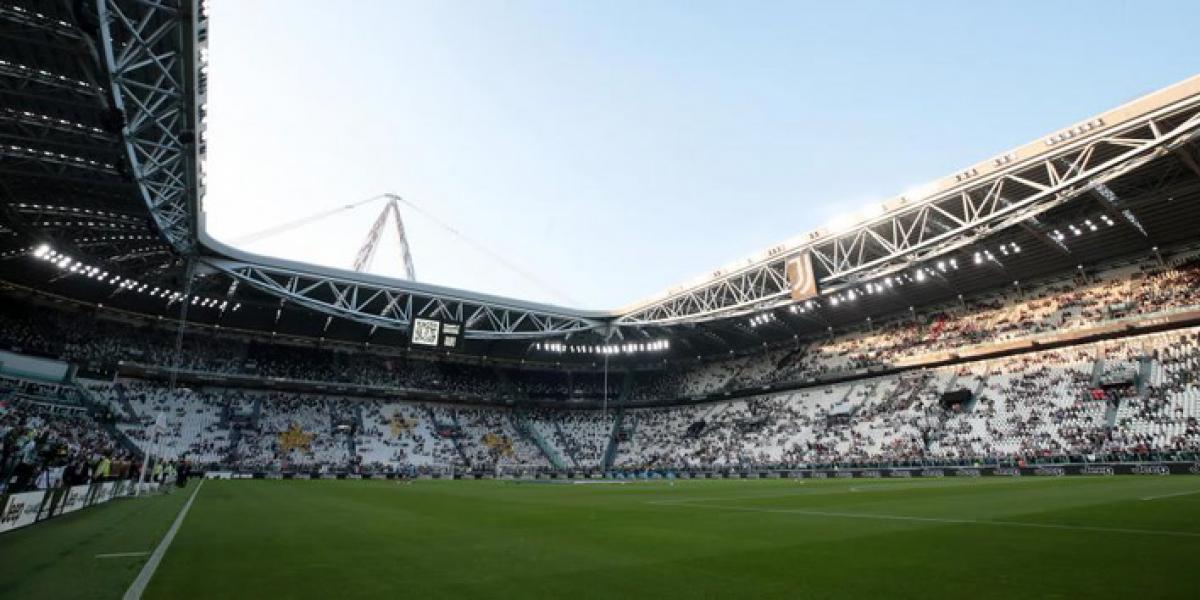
143 579
122 554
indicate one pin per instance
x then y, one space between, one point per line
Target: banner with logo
801 280
52 497
21 510
75 500
104 493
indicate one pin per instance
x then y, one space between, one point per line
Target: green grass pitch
1076 537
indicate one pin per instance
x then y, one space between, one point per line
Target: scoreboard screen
435 333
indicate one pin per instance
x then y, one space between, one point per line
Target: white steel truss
945 222
394 307
363 258
153 52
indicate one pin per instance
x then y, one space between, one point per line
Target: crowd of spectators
1130 397
1075 302
99 344
1035 406
47 445
1054 305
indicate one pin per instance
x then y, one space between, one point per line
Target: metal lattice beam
394 307
367 251
943 223
151 52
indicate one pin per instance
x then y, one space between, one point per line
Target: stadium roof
101 156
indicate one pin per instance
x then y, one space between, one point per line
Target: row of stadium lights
29 117
76 209
114 238
891 282
28 152
603 349
923 273
45 75
1078 230
762 319
70 265
1009 249
41 17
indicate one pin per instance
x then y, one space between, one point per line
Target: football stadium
986 386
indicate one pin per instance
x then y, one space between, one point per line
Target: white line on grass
143 579
1188 493
121 554
849 515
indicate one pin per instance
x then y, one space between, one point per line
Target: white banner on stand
76 498
105 493
21 510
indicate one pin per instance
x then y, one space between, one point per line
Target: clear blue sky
617 148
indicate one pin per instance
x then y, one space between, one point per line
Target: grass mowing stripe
139 585
882 517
